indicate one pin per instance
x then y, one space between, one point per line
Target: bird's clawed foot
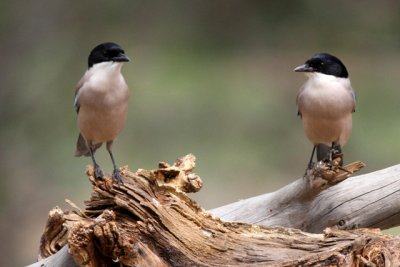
335 152
98 173
116 175
309 169
308 172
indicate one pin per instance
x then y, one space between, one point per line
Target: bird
325 105
101 104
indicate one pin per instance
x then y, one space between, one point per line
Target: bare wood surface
150 221
60 258
369 200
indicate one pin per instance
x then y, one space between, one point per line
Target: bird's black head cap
107 52
326 64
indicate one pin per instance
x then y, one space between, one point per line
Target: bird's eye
105 53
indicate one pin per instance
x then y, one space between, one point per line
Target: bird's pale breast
103 107
326 110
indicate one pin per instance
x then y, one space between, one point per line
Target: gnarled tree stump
150 221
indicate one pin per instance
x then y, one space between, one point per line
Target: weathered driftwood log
313 203
150 221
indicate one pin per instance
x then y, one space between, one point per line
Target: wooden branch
150 221
312 203
61 258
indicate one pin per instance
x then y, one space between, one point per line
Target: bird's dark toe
98 173
117 176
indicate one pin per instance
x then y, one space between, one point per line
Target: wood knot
179 176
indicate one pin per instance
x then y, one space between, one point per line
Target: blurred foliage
209 77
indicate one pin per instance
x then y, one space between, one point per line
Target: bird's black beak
121 58
304 68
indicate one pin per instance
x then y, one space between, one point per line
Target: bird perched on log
101 102
325 104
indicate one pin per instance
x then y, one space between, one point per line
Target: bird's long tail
82 149
323 152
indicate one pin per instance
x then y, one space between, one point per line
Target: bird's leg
311 158
97 171
331 151
310 163
116 175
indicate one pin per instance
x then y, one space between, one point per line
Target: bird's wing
77 90
297 100
76 103
353 94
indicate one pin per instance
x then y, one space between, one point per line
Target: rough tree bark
150 221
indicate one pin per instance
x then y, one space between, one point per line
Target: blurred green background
209 77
